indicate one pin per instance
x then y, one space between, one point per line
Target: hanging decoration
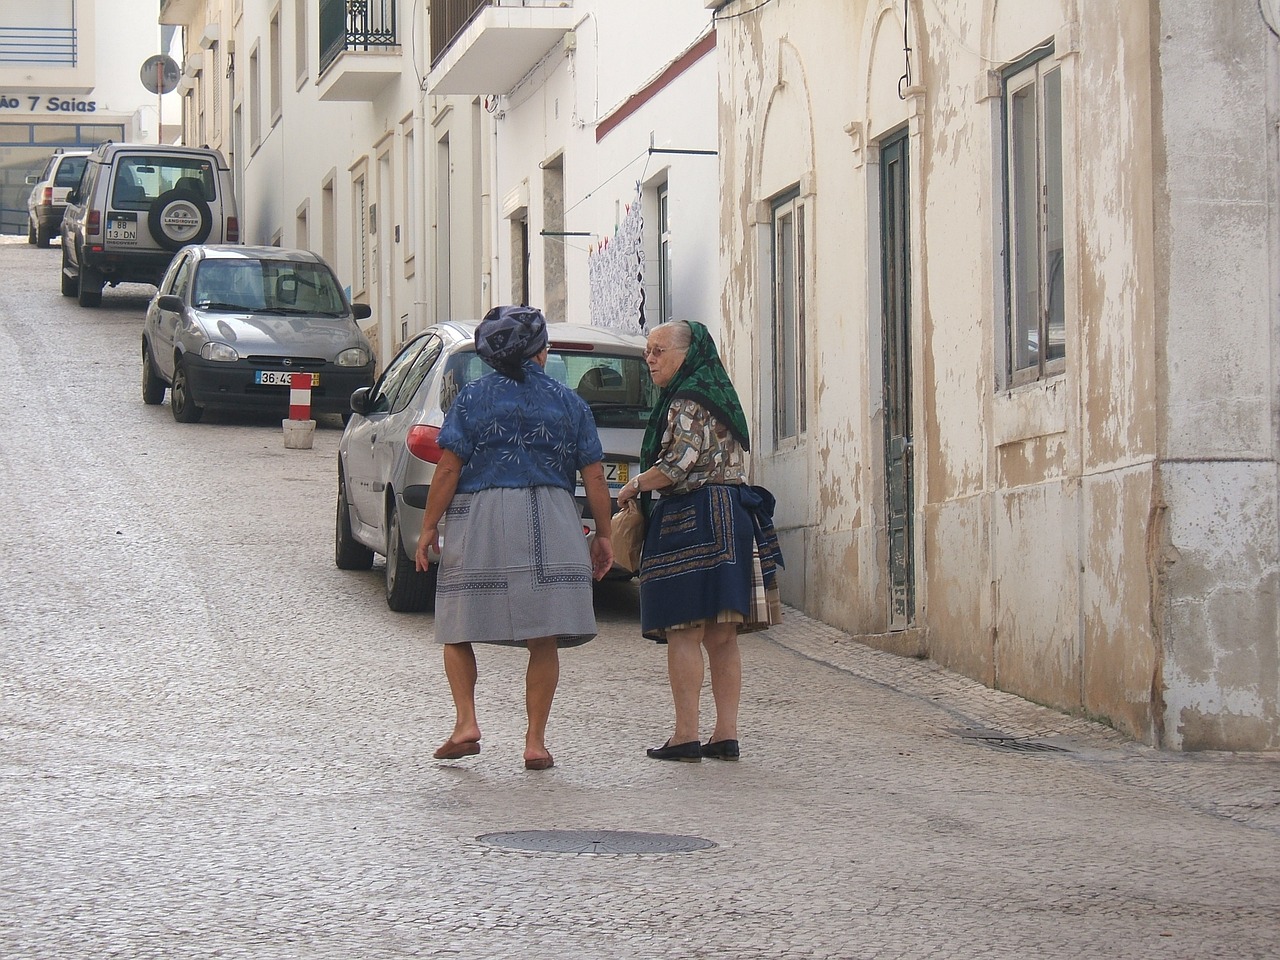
615 274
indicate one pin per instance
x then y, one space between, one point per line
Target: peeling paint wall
1217 233
1103 540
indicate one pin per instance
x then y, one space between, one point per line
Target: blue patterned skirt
514 566
705 552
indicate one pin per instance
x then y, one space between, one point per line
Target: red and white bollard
299 429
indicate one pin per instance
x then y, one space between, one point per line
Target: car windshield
69 171
617 388
141 179
267 286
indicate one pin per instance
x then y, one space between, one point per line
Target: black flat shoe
690 752
721 749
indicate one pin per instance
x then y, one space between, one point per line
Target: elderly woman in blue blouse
708 568
515 568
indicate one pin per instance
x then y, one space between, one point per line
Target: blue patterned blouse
531 434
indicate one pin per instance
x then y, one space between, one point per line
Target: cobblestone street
213 743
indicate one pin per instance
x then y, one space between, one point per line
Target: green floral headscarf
701 377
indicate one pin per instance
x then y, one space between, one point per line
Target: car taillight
93 225
46 196
421 442
233 230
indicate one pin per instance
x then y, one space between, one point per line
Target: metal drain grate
594 841
1003 741
1026 746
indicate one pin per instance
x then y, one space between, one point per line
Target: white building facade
599 143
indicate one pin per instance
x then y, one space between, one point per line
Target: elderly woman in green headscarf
708 569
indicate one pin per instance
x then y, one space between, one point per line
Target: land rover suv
136 205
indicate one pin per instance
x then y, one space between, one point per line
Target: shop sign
35 103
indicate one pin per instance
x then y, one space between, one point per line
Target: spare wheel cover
178 217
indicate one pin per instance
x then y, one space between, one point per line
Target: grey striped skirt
514 566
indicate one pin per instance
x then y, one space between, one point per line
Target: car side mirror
360 401
361 311
73 195
171 303
33 179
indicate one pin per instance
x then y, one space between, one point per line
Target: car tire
152 386
31 231
173 200
348 552
70 284
183 408
42 237
409 590
89 288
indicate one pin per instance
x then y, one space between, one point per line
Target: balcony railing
44 46
355 25
449 17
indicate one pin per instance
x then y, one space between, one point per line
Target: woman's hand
601 556
428 539
630 490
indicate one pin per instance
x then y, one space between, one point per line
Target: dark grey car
230 325
388 452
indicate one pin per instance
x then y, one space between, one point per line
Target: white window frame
1035 265
786 336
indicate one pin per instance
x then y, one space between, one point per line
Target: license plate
122 227
279 378
615 473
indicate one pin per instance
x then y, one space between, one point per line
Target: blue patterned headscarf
508 336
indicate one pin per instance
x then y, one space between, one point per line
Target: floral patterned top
697 450
530 434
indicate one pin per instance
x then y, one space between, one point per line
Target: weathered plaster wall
1104 540
1217 248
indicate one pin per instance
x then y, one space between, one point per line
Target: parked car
388 452
48 198
229 325
135 206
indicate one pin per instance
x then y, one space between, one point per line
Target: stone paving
214 744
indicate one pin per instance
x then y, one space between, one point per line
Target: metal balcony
359 48
489 46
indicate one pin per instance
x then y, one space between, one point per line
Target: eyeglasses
655 352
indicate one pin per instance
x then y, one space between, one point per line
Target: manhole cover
595 841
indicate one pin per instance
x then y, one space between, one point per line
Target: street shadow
617 601
257 418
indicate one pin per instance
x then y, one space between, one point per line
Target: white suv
136 205
48 198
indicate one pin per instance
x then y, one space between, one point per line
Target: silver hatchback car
388 452
231 325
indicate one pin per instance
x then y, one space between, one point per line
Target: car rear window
141 179
617 388
69 171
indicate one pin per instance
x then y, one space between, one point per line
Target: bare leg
539 690
460 669
721 641
684 668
